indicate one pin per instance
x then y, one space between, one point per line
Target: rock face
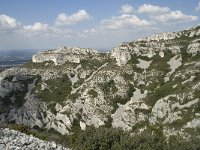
149 81
64 54
160 36
122 54
194 47
10 139
159 43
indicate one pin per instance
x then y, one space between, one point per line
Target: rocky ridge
64 54
158 43
150 81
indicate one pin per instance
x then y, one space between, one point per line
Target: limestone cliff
158 44
64 54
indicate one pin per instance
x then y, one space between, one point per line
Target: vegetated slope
147 83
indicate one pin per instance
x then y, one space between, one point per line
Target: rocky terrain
64 54
10 139
148 82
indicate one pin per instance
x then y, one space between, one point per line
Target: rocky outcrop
121 54
64 54
158 44
160 36
11 139
194 47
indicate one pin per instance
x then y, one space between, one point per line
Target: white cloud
110 31
123 22
89 31
64 19
126 9
8 22
152 9
165 14
38 26
198 7
174 16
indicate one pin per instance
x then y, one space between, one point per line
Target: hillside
148 84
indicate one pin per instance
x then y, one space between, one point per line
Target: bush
158 93
92 93
115 139
58 90
122 100
94 139
91 64
39 65
130 91
133 60
9 78
108 87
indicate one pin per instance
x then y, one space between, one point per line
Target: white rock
63 54
194 123
82 125
144 64
162 54
122 54
11 139
193 48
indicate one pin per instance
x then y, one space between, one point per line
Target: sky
46 24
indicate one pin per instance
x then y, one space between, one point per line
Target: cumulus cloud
8 22
123 22
38 26
174 16
165 14
126 9
123 27
198 7
65 19
152 9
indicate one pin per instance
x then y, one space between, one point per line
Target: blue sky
43 24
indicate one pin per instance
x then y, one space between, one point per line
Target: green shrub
133 60
128 77
93 93
158 93
91 64
160 63
58 90
108 87
118 99
122 100
130 91
39 65
115 139
9 78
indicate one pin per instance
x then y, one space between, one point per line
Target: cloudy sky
43 24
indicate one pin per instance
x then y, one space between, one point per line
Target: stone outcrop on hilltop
121 54
158 43
146 82
160 36
64 54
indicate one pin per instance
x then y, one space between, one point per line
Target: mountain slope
148 82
